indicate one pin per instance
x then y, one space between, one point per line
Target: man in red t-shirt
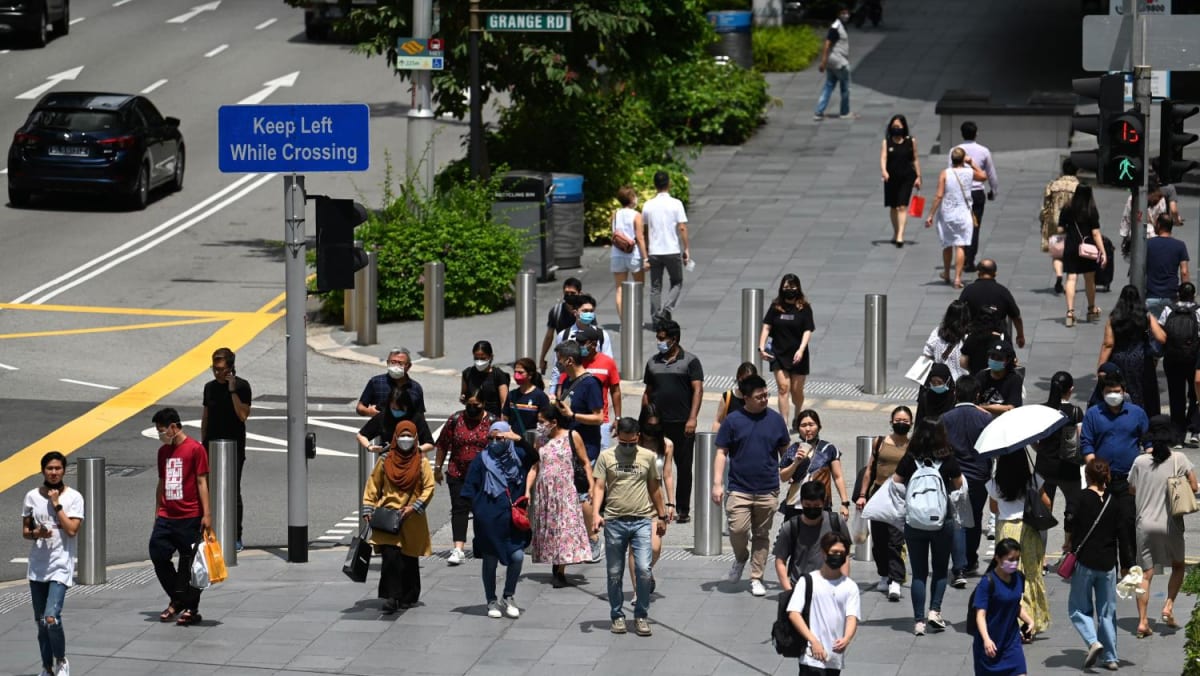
181 512
605 369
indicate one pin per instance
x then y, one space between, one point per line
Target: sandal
1093 313
1169 620
1070 318
188 617
168 614
1143 633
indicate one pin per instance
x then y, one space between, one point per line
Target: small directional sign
528 21
420 54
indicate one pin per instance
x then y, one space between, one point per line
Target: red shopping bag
916 206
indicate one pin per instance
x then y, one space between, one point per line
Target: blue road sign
299 138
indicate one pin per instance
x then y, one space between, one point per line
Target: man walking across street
982 158
987 292
798 546
181 512
834 610
1181 322
835 63
378 392
226 407
585 317
627 482
667 238
1166 266
674 382
750 441
605 369
964 423
581 400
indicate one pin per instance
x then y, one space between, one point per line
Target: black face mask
474 410
835 561
811 513
54 487
791 294
901 428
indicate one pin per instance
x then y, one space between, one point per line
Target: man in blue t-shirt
1166 264
580 397
751 441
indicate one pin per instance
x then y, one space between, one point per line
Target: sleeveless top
900 158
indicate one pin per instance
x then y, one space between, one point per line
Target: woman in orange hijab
402 481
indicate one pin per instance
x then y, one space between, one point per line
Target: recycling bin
522 203
733 37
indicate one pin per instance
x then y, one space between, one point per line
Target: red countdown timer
1127 131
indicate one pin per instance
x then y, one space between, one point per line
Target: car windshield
75 120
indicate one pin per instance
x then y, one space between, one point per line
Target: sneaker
971 570
1112 666
893 591
618 626
735 572
64 668
237 546
936 622
959 581
642 626
848 116
457 556
1093 654
1177 446
919 628
683 518
883 586
510 607
757 588
1192 440
818 118
597 551
494 609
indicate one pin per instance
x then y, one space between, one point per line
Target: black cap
587 333
1000 350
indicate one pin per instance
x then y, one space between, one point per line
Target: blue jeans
512 573
920 544
47 604
835 77
1085 583
621 535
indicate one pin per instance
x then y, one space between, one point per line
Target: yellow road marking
240 330
111 329
143 311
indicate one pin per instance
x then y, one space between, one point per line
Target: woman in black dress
1080 222
900 165
789 325
484 378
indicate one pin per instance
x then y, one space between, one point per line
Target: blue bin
733 32
566 219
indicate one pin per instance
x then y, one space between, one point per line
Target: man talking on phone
226 407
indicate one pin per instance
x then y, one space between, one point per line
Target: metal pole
526 315
348 299
631 330
862 550
419 147
223 495
366 465
707 514
875 344
435 309
1141 102
752 316
366 315
93 534
476 143
297 367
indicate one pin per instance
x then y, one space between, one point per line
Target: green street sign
528 21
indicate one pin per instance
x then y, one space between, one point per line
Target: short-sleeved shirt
670 382
964 423
839 45
560 317
586 396
488 384
379 390
1007 390
800 544
526 405
949 469
832 602
178 468
1149 481
52 559
461 442
661 215
754 442
626 477
223 420
986 292
1163 256
383 426
605 369
787 329
1010 510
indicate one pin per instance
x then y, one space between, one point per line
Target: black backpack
1183 333
1064 444
990 578
788 642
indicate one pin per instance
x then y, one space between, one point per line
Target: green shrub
704 102
1191 646
785 49
598 216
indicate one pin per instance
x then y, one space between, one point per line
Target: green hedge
704 102
599 213
785 49
1191 648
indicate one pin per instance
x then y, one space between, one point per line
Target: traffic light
1109 92
337 257
1171 165
1124 166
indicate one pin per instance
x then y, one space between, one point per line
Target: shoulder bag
1066 567
1180 498
386 519
520 511
1087 250
966 197
620 241
919 371
1036 515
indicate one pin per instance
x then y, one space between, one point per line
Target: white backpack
926 502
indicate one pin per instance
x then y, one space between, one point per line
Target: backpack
1064 445
1183 333
990 578
788 642
925 506
836 524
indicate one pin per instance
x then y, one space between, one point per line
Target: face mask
54 487
398 412
166 436
844 17
498 446
1010 566
996 364
587 317
664 347
482 364
584 351
897 131
791 294
627 447
521 378
1114 399
901 428
405 443
811 513
543 429
473 410
835 561
396 372
939 389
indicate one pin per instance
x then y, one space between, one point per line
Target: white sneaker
893 591
757 588
494 609
46 672
883 585
935 621
510 607
457 556
919 628
735 572
64 668
597 550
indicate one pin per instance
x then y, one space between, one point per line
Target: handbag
916 206
620 241
358 559
578 471
1087 250
919 371
1057 244
1066 567
966 198
214 557
1036 515
520 511
386 519
1180 498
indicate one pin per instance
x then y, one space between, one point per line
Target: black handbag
580 472
1037 515
386 519
358 559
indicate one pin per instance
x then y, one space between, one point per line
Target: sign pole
419 143
1141 102
476 149
297 367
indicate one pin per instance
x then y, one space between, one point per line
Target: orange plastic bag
213 556
916 206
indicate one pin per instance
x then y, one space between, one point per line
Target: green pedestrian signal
1126 167
1127 147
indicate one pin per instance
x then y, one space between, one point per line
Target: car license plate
69 151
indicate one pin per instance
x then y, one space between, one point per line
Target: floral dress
559 535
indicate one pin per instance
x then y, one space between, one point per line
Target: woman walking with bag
1083 249
1126 344
900 164
628 242
462 438
559 535
1058 460
945 343
1091 526
995 610
952 211
887 542
402 482
789 326
1007 490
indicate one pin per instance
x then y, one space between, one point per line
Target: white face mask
396 371
482 364
405 443
166 436
1114 399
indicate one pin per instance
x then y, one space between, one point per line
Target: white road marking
6 367
5 51
4 170
269 88
50 82
154 86
266 23
333 426
118 3
214 51
332 531
87 384
336 538
75 21
194 12
19 559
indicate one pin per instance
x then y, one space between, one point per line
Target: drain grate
116 471
133 578
823 388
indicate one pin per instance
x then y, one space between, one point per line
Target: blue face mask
587 317
996 364
584 351
396 412
663 348
939 389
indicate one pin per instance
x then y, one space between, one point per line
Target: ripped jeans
47 611
620 535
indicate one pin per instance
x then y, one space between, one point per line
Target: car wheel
19 199
177 179
140 197
39 36
63 25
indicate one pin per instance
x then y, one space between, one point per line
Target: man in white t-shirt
667 240
833 612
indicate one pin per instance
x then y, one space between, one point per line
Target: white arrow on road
269 88
50 82
195 11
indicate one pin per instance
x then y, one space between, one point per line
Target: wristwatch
58 508
662 517
846 503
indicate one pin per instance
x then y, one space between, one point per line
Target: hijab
501 465
403 468
1107 368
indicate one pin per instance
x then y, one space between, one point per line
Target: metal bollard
223 495
93 535
526 286
631 330
707 514
366 312
435 310
875 344
348 299
752 316
366 465
862 550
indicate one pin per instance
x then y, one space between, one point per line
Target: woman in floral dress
559 535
